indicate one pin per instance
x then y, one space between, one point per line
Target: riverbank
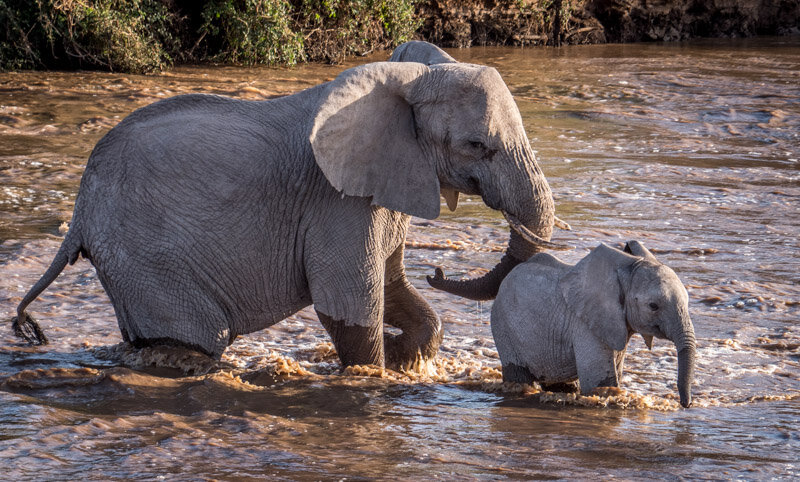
463 23
150 35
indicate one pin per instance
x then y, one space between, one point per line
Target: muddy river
691 148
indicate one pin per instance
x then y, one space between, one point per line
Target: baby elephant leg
513 373
520 374
561 387
596 364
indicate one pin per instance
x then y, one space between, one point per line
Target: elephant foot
517 374
404 354
355 344
416 346
421 328
561 387
170 342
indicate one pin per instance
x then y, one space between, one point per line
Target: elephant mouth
535 240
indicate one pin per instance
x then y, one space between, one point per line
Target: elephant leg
561 387
355 344
596 364
520 374
162 312
514 373
347 292
345 254
404 308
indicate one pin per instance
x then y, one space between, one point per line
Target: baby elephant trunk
686 360
685 344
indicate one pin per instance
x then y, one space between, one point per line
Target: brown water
692 148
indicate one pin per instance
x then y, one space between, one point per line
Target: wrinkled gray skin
422 52
519 250
208 217
553 322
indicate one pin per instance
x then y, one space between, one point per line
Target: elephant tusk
451 197
531 237
648 340
561 224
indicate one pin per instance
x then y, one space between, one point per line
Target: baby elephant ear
594 294
364 139
637 249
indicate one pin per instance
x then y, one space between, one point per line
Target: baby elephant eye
653 306
477 145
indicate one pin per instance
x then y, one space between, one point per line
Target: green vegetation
150 35
251 31
280 32
147 35
334 29
128 35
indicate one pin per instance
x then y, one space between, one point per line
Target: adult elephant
208 217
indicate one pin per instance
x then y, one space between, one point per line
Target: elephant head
422 52
520 248
618 293
405 132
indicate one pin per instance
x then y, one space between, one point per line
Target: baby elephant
553 322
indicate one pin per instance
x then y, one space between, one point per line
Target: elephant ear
637 249
364 139
594 294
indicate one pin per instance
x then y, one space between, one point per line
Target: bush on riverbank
250 32
335 29
127 35
284 32
148 35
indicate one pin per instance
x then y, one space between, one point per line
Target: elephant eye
653 306
477 145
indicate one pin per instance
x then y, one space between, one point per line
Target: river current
692 148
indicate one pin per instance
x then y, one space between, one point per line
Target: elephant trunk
485 287
686 360
685 343
531 217
520 248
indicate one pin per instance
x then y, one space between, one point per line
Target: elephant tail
24 325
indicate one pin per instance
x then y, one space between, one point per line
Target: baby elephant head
656 305
645 297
